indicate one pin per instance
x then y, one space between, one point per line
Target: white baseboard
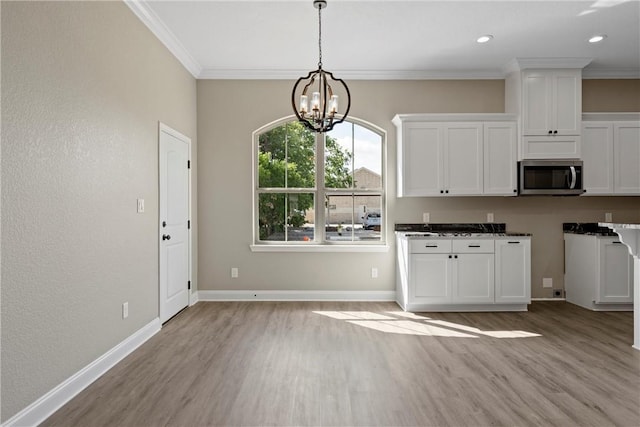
548 299
45 406
296 295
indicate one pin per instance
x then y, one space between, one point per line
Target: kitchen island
630 235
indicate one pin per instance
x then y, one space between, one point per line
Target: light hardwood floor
347 364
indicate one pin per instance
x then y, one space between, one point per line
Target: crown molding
525 63
166 37
268 74
611 73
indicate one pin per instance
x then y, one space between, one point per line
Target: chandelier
320 112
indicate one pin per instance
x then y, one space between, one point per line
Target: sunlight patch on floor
406 323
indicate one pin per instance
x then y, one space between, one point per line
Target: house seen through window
319 188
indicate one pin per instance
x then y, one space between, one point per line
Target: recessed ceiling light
484 39
597 39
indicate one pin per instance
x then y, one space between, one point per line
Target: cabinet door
463 158
552 102
566 109
420 160
597 157
473 278
430 280
616 273
626 151
500 174
536 98
513 271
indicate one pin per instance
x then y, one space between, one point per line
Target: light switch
140 205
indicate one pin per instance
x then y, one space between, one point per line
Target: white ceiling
392 39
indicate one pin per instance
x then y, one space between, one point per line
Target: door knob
166 237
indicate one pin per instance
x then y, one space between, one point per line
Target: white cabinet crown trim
398 119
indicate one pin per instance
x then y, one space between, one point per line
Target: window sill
319 248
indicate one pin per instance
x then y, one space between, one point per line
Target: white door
174 233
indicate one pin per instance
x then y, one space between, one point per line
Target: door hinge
189 224
188 164
189 285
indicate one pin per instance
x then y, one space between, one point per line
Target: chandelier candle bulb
315 101
333 104
304 104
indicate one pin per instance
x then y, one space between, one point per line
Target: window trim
320 244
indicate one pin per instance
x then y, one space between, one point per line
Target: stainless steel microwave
550 177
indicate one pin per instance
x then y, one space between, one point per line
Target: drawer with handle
430 246
468 246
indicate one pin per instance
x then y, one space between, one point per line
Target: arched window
319 188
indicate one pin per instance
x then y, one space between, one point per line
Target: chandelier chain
320 37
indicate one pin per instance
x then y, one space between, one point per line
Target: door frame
166 129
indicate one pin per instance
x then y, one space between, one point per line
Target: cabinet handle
449 256
555 132
474 246
431 246
455 256
441 191
446 191
617 243
550 132
514 242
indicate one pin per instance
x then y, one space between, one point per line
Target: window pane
286 157
353 157
338 153
273 208
353 218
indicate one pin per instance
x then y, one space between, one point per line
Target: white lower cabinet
430 278
464 274
472 278
598 272
513 271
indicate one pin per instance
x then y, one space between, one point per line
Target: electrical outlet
234 273
557 293
140 205
374 273
608 217
547 282
426 217
490 217
125 310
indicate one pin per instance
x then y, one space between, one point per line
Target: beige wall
610 96
228 112
84 85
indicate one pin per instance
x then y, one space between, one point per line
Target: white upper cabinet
552 102
456 157
611 154
626 158
500 165
597 158
547 96
463 159
420 157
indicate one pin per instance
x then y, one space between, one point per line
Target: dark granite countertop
587 228
494 229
